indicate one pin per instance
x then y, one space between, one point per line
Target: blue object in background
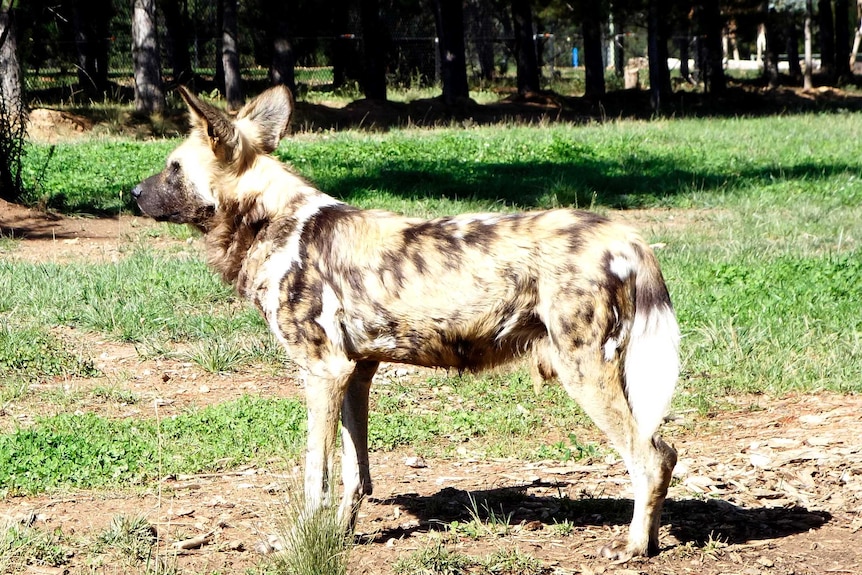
574 57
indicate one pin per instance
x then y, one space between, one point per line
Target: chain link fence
413 60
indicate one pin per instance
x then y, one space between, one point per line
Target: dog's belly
462 347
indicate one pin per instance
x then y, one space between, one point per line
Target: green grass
86 451
31 354
133 538
115 394
434 559
142 297
772 324
91 176
438 559
491 415
682 163
22 545
8 244
761 220
312 544
156 302
485 520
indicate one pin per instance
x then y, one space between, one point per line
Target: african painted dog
344 289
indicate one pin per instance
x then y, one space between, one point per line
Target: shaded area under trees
517 44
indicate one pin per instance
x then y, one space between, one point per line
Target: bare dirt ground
774 487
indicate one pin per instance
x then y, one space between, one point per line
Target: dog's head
203 170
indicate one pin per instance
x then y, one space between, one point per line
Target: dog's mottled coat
344 289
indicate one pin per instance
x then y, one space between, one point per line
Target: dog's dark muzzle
163 202
152 199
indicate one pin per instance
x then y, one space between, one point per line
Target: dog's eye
175 166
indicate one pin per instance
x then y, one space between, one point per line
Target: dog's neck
240 226
228 241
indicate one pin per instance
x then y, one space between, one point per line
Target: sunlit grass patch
31 354
22 544
310 543
491 415
439 559
131 537
86 451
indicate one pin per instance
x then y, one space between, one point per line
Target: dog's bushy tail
652 357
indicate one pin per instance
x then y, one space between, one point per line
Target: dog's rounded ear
270 114
215 124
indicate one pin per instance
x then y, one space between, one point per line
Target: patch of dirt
51 237
51 126
774 487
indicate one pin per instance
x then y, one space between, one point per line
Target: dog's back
465 292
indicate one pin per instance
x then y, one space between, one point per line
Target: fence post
437 60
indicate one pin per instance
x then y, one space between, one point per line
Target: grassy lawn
760 222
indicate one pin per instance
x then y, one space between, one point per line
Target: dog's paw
618 552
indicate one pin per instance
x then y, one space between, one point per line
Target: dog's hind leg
597 383
354 438
541 368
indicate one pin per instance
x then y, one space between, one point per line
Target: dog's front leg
354 438
327 381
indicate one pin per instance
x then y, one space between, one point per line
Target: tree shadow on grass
691 521
578 175
741 99
580 182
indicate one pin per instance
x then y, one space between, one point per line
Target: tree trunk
373 50
481 28
177 25
842 40
711 25
770 49
594 67
794 69
10 81
282 68
525 47
618 41
13 115
857 38
449 17
827 40
659 74
346 62
684 57
807 84
230 56
90 22
149 95
510 49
